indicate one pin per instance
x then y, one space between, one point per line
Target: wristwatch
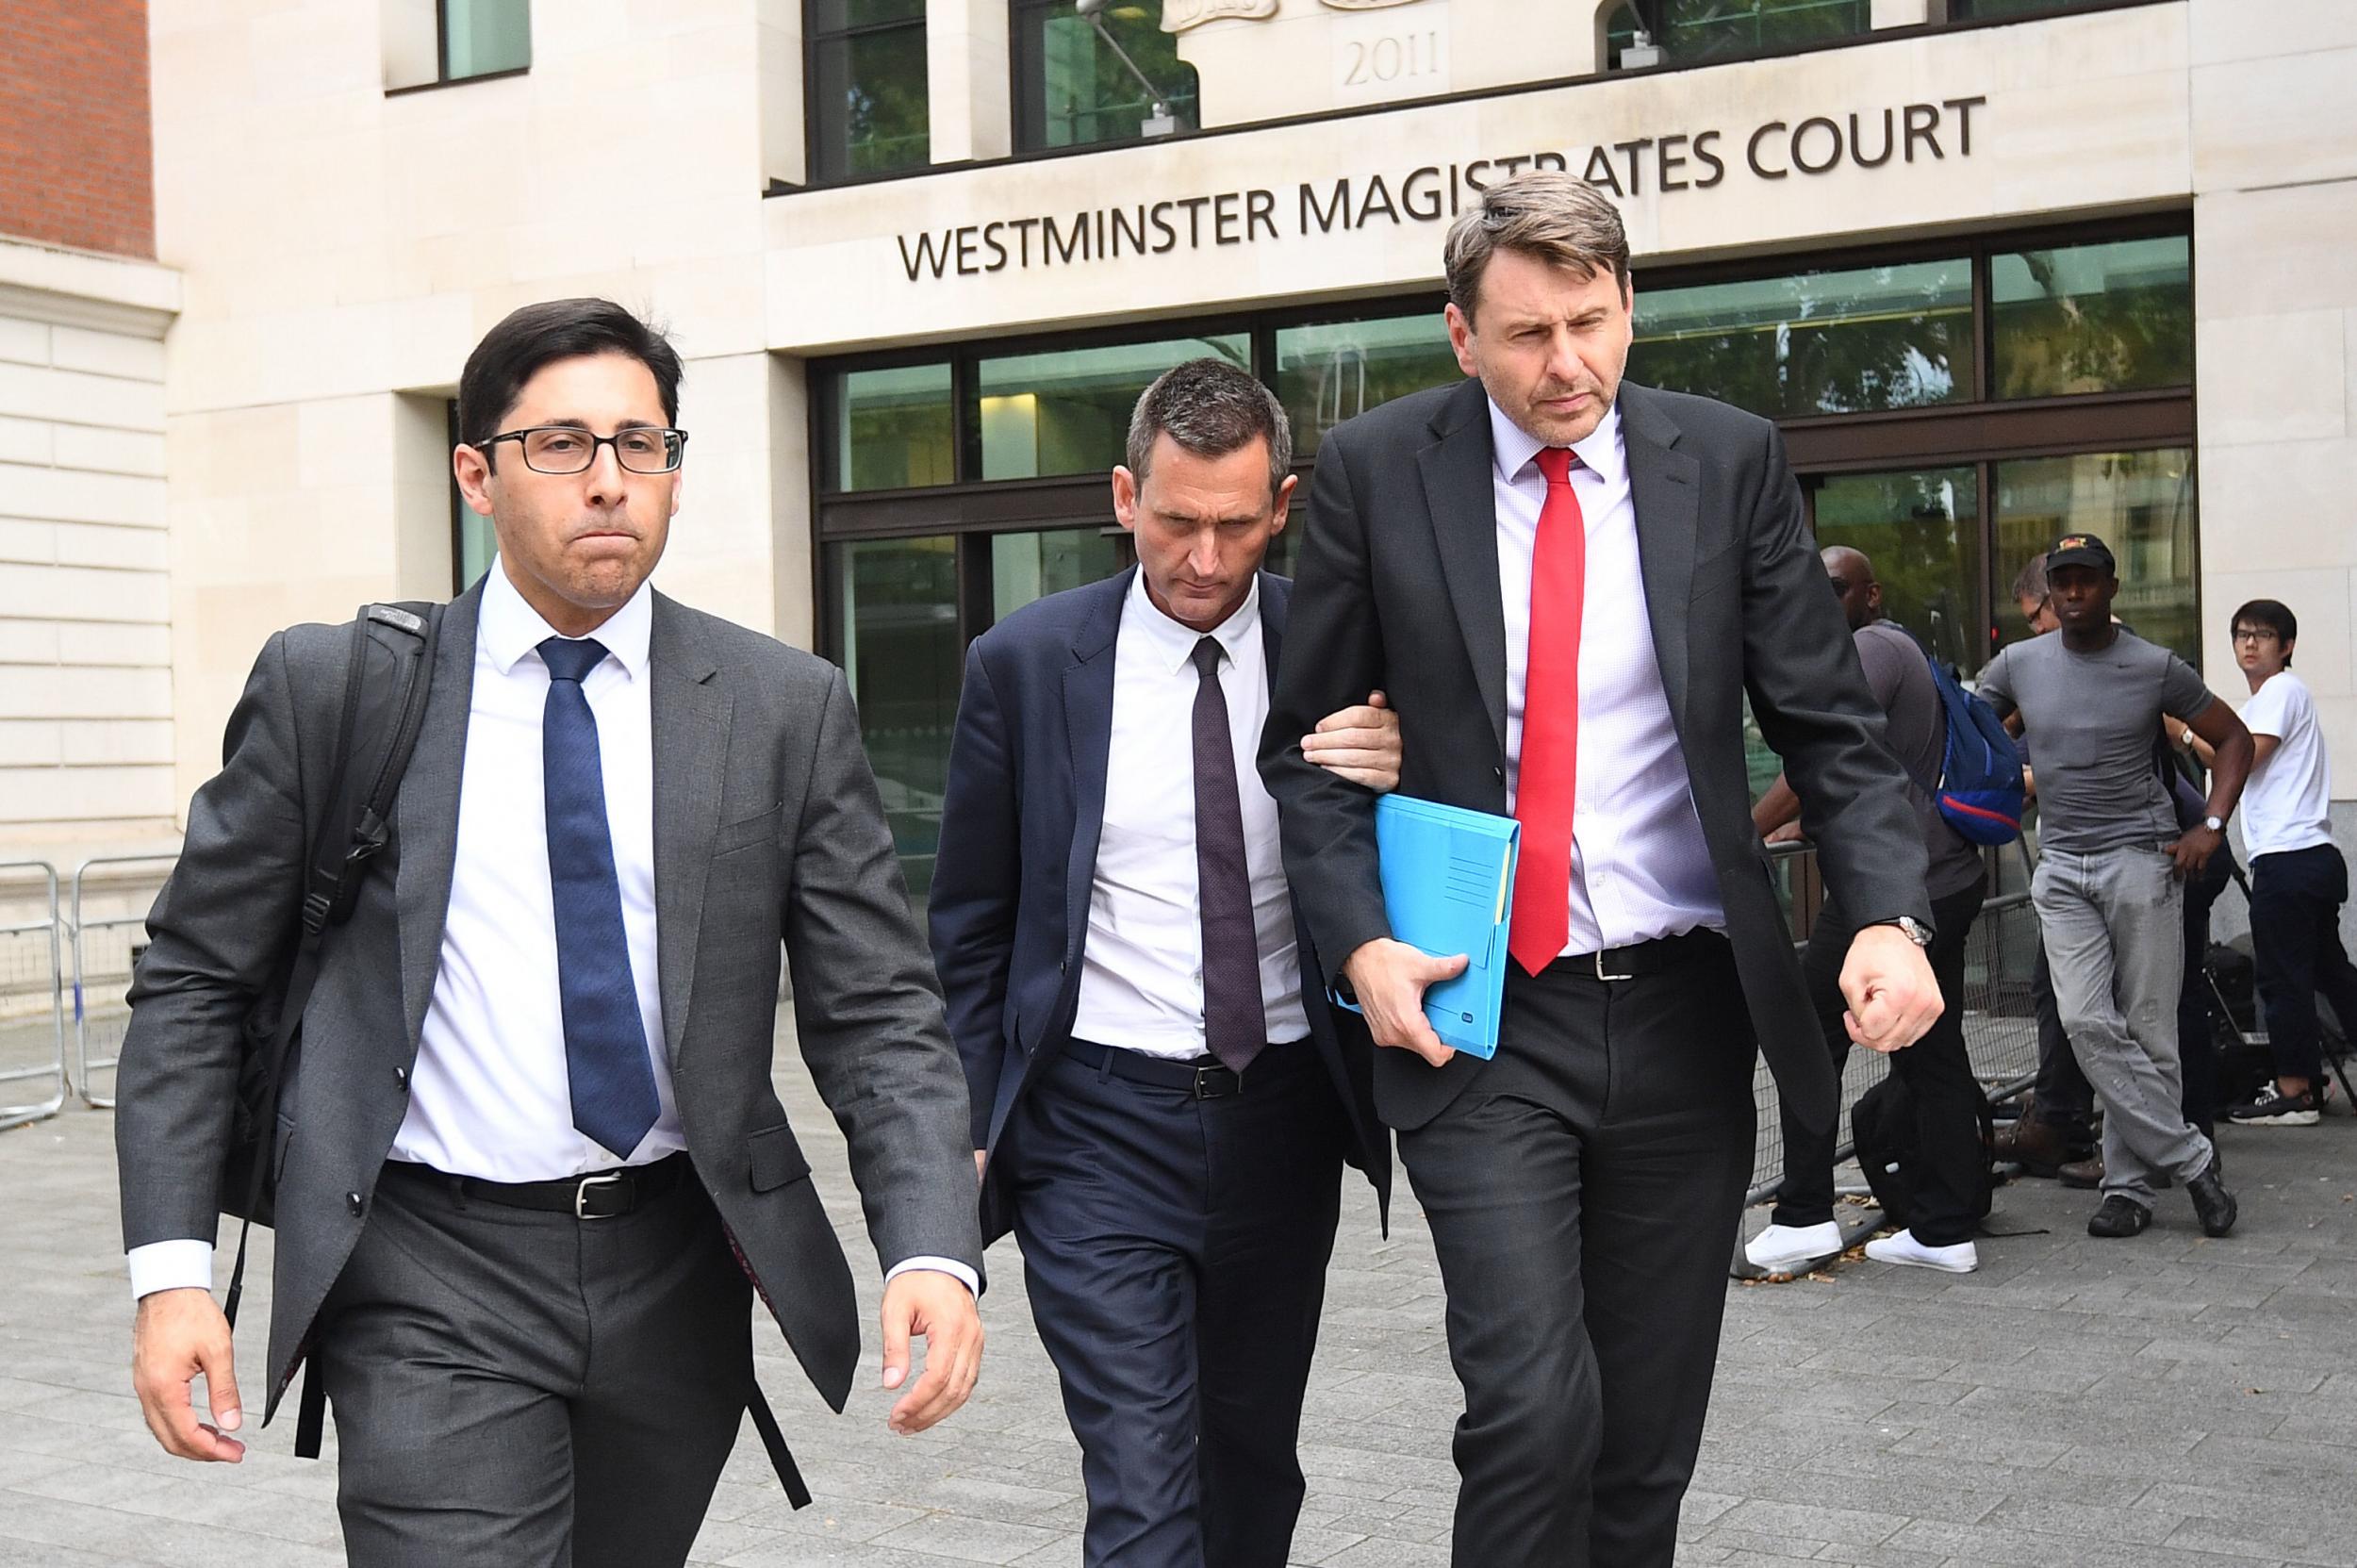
1914 929
2215 824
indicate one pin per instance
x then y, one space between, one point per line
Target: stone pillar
967 79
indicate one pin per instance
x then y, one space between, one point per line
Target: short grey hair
1211 408
2030 582
1548 213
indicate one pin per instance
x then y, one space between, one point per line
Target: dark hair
1551 214
1211 408
2270 614
536 335
2030 582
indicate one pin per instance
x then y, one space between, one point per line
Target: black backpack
385 693
1882 1126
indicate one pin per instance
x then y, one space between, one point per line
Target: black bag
1881 1127
385 695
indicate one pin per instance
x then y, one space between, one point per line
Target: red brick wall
75 165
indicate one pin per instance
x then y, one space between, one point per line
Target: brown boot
2084 1174
2036 1146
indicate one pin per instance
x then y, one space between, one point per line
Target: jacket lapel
1665 485
425 812
690 713
1464 507
1088 711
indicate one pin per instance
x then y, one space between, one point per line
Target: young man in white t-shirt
2298 877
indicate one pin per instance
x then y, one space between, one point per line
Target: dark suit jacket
1020 823
767 829
1398 589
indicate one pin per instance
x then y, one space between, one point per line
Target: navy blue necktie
1235 1025
605 1042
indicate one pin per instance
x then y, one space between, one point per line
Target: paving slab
2169 1401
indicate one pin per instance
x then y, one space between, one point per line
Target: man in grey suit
1567 584
532 1168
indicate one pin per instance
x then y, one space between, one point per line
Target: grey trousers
2114 928
518 1389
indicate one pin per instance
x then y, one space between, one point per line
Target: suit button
1498 772
400 1079
351 1201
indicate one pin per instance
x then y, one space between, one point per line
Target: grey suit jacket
1397 588
768 836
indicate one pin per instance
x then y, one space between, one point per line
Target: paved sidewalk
2164 1402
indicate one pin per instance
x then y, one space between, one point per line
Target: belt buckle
580 1193
1600 969
1215 1082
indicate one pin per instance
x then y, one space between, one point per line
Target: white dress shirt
490 1095
1141 968
1639 867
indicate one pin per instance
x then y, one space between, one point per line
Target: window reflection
1032 564
892 428
1334 371
1077 91
2093 317
1698 30
869 109
897 607
1068 411
1807 343
1922 528
2141 503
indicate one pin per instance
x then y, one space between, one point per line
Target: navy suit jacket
1020 825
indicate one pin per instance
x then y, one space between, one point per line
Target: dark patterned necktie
1234 1025
605 1040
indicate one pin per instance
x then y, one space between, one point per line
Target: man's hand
938 1307
1390 978
178 1334
2192 851
1360 744
1889 984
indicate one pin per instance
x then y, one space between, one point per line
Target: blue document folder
1448 883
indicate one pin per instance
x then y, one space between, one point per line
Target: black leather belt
1642 958
1205 1078
600 1195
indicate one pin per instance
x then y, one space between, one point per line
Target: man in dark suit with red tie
1567 585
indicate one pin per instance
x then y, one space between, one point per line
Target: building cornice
84 288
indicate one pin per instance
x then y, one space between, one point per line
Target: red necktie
1549 774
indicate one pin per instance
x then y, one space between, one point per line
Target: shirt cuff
171 1265
951 1266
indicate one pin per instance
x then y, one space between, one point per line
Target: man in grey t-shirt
2108 888
1953 1189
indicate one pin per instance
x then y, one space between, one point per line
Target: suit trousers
1175 1252
519 1389
1937 1069
1583 1193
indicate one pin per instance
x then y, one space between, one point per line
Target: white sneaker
1789 1248
1960 1258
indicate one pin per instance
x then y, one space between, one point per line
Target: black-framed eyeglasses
567 449
2256 633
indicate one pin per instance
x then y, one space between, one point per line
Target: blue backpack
1979 790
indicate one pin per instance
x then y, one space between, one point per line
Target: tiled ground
2159 1403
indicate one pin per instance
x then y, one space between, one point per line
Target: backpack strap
387 680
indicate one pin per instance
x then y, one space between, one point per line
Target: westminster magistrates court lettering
1685 161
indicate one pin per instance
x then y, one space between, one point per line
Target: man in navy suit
1161 1098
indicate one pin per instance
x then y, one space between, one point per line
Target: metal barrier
102 953
24 978
2000 1024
